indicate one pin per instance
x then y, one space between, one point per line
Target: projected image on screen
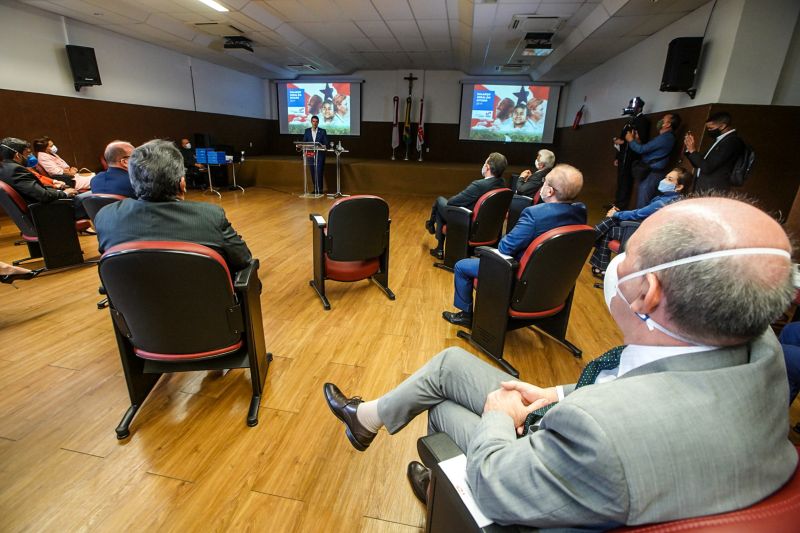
329 101
508 113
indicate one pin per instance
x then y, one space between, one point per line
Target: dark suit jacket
641 124
534 183
113 181
322 138
538 219
28 185
717 163
474 191
201 223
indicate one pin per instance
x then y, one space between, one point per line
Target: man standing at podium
317 135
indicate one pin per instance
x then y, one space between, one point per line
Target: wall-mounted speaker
679 70
83 64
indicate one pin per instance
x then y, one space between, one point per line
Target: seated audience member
115 180
16 160
677 181
561 186
46 152
688 419
790 342
194 178
160 213
654 156
492 172
528 183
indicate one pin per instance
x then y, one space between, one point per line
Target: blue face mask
665 186
31 161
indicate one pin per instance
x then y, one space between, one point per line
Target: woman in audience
45 152
676 182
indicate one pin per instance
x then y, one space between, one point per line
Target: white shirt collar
636 355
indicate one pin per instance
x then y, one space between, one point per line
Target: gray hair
716 301
155 169
115 151
547 158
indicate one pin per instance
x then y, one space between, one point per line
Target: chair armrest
245 276
488 250
459 221
446 510
318 220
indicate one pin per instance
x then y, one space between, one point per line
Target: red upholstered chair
537 291
446 511
154 288
618 246
49 230
352 245
467 229
95 202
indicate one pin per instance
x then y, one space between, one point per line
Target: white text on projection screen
328 101
508 113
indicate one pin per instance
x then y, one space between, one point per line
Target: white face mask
188 146
53 149
611 281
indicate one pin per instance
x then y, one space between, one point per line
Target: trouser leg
608 230
464 274
457 421
624 186
439 215
454 374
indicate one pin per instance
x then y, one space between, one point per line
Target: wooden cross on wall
410 79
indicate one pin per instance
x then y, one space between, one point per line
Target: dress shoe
345 410
462 318
18 273
437 253
420 478
430 227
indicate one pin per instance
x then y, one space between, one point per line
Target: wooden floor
191 463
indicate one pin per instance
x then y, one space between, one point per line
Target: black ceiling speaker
83 64
679 70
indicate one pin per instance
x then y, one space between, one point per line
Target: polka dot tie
607 361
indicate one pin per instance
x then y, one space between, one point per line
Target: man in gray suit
688 419
157 175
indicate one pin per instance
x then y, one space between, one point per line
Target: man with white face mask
688 418
530 182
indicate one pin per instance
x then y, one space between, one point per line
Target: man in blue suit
115 180
561 186
319 135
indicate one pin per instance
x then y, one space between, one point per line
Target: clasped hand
518 399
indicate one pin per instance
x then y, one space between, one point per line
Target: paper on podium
456 471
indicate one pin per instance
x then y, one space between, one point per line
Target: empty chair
481 226
96 201
352 245
154 288
49 230
537 291
446 510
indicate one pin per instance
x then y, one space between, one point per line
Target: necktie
607 361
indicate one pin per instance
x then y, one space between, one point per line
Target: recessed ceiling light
214 5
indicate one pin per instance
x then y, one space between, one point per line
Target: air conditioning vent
220 30
512 67
535 23
302 68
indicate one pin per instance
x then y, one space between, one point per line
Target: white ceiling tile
393 9
559 9
357 9
290 34
483 15
170 25
262 15
404 29
377 29
425 9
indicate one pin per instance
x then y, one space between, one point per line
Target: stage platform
363 176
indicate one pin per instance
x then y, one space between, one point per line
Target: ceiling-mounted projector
238 42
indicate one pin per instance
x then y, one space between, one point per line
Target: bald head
719 301
567 182
116 151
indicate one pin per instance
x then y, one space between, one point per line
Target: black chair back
17 209
358 228
549 268
488 217
152 283
95 202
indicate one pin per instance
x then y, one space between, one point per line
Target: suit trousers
607 230
439 218
452 387
465 272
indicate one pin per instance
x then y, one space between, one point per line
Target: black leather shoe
11 278
345 410
437 253
420 478
461 318
430 227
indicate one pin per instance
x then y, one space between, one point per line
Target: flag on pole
395 130
407 123
420 128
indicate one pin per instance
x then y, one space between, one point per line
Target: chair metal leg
252 413
102 304
384 288
325 303
122 429
499 360
443 267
